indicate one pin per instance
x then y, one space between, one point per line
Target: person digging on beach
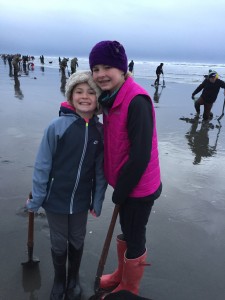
210 88
159 71
68 180
74 65
131 161
16 64
63 66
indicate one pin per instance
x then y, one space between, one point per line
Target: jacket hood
66 108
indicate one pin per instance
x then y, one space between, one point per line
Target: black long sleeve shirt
140 132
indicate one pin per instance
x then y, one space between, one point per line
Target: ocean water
174 72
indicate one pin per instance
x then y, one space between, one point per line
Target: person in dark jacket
63 66
131 66
210 88
159 71
16 64
131 160
68 180
74 65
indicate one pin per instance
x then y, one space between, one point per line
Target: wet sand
186 231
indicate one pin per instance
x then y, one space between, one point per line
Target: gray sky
175 30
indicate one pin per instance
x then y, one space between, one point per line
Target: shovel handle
222 109
30 238
106 246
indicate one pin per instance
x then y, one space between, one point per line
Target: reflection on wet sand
31 281
18 92
157 94
198 139
63 84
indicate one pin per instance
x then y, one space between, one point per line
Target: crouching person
68 180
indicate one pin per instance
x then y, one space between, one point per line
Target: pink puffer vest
116 142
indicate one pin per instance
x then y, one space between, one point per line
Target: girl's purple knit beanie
110 53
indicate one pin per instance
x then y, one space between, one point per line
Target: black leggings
134 215
157 79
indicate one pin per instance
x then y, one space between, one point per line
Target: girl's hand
93 213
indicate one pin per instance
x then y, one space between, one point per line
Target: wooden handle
30 239
106 246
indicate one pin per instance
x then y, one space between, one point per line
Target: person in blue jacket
68 180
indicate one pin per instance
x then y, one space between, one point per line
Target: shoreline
175 72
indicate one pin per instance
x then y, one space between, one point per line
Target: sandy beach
186 231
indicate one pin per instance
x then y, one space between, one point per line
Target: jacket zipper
50 188
79 168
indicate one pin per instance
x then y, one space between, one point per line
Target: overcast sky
175 30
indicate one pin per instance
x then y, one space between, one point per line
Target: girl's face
108 78
84 100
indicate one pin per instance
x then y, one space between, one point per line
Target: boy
68 180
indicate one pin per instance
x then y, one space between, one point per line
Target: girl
131 161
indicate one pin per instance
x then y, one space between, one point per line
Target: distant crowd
20 65
18 62
23 63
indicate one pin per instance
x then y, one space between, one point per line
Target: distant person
16 64
42 59
63 66
131 66
210 88
31 66
131 161
74 65
10 58
25 61
68 180
159 71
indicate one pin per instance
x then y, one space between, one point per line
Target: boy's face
84 100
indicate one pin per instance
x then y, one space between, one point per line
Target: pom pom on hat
110 53
80 77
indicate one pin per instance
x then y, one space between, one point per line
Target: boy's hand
93 213
27 201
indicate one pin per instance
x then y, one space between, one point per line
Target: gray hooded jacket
68 173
